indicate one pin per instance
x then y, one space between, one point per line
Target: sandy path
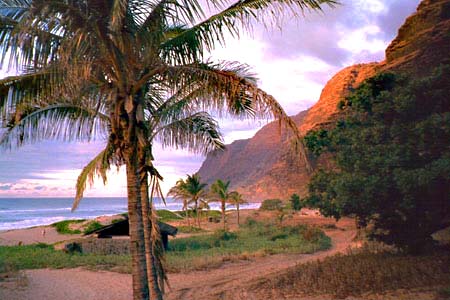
33 235
228 282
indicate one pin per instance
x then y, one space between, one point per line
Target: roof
122 228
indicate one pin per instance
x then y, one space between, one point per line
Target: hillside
265 167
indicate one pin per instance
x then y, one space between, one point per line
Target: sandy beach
230 281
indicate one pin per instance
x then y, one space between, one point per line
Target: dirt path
228 282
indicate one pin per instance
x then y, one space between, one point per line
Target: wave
31 223
34 210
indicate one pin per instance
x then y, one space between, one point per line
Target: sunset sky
292 64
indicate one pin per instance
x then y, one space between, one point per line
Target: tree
195 189
236 199
120 53
296 203
392 156
219 192
178 192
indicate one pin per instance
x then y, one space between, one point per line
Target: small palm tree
195 190
178 192
219 192
236 199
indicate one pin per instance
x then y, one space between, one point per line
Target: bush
271 204
391 155
63 227
167 215
296 203
92 226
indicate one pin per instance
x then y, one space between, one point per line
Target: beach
231 277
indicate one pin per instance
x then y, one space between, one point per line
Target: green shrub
296 203
271 204
63 227
92 226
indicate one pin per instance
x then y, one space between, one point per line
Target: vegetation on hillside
392 159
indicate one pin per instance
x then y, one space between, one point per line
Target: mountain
266 167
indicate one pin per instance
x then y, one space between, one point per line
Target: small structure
122 228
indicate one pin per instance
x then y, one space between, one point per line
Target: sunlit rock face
266 167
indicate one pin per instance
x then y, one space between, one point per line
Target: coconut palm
115 53
236 199
197 192
178 192
219 192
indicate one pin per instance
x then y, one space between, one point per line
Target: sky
293 62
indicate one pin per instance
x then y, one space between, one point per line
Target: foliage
346 275
296 203
393 159
92 226
271 204
189 229
219 192
165 215
41 256
63 227
192 253
211 250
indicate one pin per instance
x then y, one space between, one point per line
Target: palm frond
96 167
62 121
198 133
237 17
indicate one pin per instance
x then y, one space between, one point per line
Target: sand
231 281
33 235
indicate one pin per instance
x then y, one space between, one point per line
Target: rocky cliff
265 167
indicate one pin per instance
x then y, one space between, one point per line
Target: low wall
105 246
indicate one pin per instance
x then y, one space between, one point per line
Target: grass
190 229
355 274
39 256
92 226
194 253
63 227
258 239
167 215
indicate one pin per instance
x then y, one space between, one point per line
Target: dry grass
362 272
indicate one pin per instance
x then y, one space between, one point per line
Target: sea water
18 213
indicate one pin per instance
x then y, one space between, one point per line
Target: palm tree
196 191
178 192
236 199
219 192
121 56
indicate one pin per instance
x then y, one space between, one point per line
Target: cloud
5 187
293 65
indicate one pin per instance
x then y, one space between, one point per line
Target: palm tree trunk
124 123
137 246
196 210
237 208
223 215
152 243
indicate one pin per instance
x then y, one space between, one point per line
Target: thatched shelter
121 229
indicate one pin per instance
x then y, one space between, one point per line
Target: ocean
18 213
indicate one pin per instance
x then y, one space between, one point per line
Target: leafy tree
219 192
271 204
112 56
392 157
296 203
236 199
